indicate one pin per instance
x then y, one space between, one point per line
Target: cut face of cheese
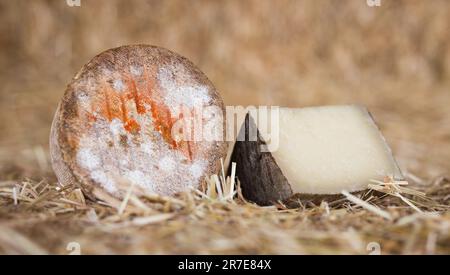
318 153
325 150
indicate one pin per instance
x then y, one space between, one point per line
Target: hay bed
42 217
394 59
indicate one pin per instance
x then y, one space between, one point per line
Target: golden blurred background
394 58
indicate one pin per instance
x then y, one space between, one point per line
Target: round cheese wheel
139 115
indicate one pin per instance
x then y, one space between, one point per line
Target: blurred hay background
395 59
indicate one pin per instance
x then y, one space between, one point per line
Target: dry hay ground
395 59
42 217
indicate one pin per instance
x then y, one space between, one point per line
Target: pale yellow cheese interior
324 150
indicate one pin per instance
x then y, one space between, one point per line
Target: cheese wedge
320 150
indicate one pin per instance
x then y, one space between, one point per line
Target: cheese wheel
139 115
